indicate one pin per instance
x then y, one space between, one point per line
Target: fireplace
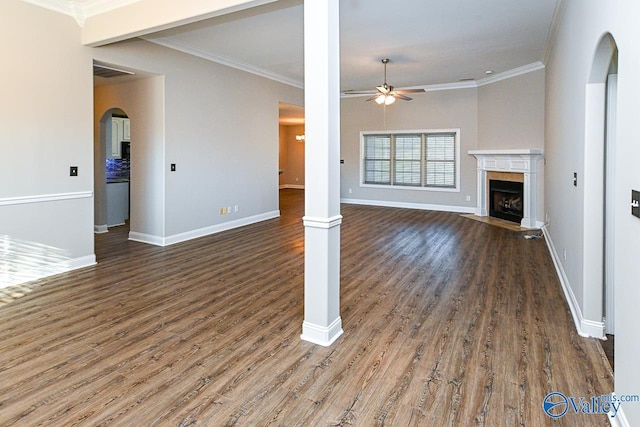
506 200
520 167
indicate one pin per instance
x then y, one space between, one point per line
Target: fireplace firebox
506 200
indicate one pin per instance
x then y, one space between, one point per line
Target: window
425 159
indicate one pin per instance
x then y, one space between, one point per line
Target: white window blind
377 159
407 159
440 160
423 159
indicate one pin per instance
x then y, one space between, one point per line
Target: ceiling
431 43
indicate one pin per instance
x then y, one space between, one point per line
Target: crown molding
529 68
80 11
224 60
556 20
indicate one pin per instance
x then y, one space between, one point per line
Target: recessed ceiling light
488 72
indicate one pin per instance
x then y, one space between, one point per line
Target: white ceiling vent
100 70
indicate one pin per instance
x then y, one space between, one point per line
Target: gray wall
432 110
221 131
46 121
568 69
511 113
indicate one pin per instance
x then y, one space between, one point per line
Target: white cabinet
117 203
126 130
120 131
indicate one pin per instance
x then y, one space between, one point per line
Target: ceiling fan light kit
385 93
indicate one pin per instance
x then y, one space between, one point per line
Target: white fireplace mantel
523 161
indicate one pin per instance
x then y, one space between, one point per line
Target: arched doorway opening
112 171
599 182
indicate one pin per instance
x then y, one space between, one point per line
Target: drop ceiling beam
148 16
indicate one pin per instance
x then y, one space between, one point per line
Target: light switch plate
73 171
173 167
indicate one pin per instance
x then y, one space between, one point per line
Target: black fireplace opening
506 200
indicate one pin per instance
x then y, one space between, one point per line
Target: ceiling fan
385 93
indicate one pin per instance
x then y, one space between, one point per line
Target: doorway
113 171
599 185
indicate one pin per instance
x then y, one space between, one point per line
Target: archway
112 170
599 178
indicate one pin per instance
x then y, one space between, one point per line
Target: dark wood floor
447 321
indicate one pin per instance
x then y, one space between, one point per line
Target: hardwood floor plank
446 322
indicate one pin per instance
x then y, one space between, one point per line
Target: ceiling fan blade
410 90
371 98
401 96
359 92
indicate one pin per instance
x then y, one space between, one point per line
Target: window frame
423 133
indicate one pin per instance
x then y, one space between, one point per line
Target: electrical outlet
575 179
235 208
73 171
173 167
350 191
468 198
635 203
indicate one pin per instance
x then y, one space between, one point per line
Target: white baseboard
99 229
146 238
585 327
292 186
406 205
49 270
322 335
201 232
619 419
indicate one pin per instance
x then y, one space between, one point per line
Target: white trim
585 328
146 238
467 84
620 419
99 229
55 269
322 335
408 205
224 60
291 187
552 34
324 223
42 198
525 69
201 232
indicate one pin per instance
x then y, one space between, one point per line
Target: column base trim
322 335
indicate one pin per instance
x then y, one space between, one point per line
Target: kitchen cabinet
117 203
120 131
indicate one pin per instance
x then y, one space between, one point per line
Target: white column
322 324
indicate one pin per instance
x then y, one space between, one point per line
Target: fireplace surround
496 164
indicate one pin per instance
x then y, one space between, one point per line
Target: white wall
221 131
46 122
585 23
